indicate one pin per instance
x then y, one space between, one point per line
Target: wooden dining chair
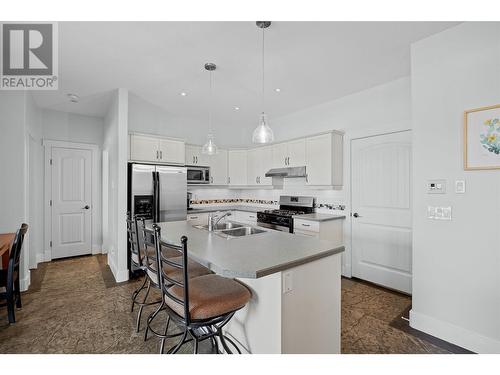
10 290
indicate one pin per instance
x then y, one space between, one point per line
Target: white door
71 202
253 166
266 154
381 208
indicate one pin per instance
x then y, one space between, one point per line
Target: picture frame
482 138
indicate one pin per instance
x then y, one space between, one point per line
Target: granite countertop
201 210
250 256
319 217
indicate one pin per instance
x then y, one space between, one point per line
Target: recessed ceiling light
236 108
183 93
277 90
73 98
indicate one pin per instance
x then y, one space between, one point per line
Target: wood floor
74 306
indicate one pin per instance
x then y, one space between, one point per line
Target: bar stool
203 305
138 256
151 266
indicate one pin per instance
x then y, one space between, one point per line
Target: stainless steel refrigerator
157 192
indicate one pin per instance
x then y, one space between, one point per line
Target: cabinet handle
157 155
288 158
161 155
229 180
193 217
256 180
259 179
305 225
251 216
285 160
193 159
196 159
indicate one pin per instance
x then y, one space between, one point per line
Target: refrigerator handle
157 197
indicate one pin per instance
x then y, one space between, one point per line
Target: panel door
319 160
266 156
171 151
218 168
381 206
296 153
280 155
192 154
237 167
253 166
144 148
71 202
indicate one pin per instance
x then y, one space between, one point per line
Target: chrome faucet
212 222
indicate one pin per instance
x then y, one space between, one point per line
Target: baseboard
47 256
24 283
454 334
96 249
119 275
40 257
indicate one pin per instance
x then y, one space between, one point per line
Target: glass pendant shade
263 133
209 147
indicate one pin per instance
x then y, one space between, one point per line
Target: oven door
198 176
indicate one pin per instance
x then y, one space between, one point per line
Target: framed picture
482 138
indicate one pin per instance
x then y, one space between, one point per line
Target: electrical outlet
287 282
439 213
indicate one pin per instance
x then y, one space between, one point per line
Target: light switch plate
436 186
460 186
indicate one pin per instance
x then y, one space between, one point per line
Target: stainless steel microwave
198 175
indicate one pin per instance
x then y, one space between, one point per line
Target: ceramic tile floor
74 306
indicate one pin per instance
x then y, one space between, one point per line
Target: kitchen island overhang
295 282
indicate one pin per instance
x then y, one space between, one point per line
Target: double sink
232 230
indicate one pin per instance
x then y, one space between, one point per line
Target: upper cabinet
195 157
323 162
237 167
259 161
218 168
289 154
156 149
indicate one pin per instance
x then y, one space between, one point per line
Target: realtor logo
29 56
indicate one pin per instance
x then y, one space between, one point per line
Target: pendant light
263 133
209 147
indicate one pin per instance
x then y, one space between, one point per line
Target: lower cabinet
244 217
330 230
198 219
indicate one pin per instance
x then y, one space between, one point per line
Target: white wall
456 264
115 150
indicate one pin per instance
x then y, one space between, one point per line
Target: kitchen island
295 283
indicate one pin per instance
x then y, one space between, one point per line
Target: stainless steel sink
221 226
240 232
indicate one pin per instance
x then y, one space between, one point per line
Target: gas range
282 219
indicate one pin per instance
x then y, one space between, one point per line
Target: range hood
290 172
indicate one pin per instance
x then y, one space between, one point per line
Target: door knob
86 207
356 215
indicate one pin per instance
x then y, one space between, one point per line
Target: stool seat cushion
210 296
195 269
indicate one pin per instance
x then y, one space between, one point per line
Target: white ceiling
311 62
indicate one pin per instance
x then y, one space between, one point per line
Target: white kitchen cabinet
197 218
259 161
280 155
218 168
144 148
244 217
171 151
329 230
324 159
156 149
296 153
289 154
237 167
194 156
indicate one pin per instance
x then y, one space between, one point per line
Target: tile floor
74 306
